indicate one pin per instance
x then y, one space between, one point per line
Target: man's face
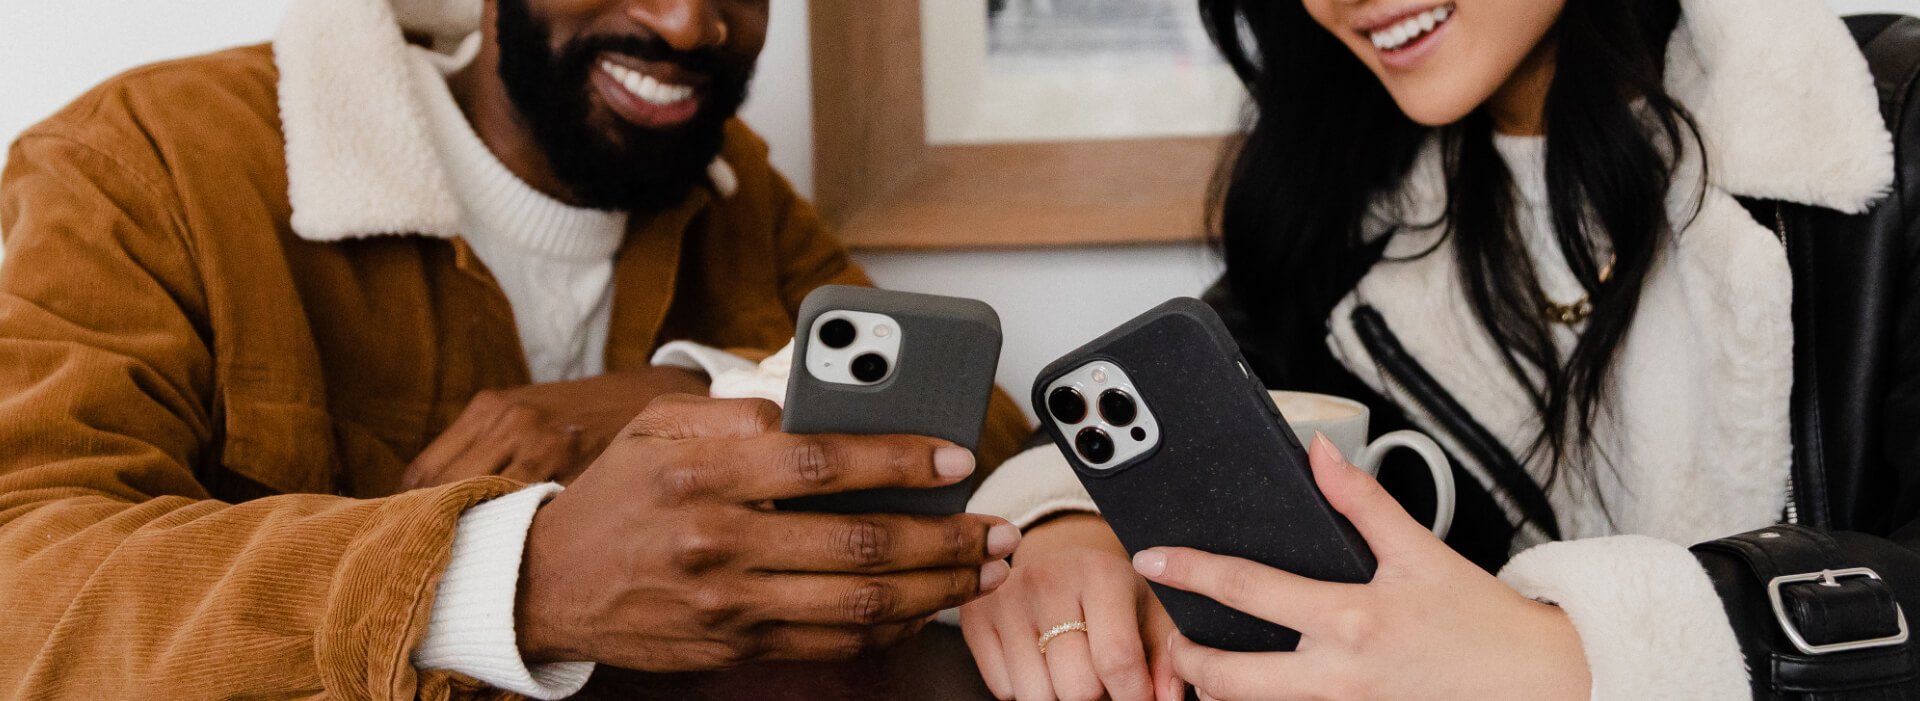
629 98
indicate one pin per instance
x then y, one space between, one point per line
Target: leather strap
1824 612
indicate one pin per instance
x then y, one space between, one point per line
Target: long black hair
1324 139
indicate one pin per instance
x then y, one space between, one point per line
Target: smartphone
876 362
1180 445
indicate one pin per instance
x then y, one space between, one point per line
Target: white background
1049 301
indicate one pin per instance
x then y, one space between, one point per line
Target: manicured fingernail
993 574
1321 441
1002 539
1149 563
953 463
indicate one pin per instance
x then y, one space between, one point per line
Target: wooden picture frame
882 186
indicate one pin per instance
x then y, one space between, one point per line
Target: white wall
1049 301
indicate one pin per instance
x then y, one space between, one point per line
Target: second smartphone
874 362
1180 445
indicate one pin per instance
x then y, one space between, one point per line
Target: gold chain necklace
1576 312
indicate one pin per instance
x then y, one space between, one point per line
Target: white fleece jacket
1787 110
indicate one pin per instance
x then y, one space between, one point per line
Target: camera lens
837 333
1094 445
1067 406
1118 408
870 367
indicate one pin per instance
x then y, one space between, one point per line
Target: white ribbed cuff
471 630
731 376
1649 618
1030 487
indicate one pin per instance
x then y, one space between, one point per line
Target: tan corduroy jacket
204 416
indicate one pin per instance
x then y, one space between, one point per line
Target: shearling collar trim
360 161
1784 100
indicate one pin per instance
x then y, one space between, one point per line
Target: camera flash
1100 375
882 331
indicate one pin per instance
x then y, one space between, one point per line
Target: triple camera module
1110 430
854 347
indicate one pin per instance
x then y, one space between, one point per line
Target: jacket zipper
1792 514
1374 335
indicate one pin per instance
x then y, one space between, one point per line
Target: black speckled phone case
1228 476
941 384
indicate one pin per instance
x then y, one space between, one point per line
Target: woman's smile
1406 38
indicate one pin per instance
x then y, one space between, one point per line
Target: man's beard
638 169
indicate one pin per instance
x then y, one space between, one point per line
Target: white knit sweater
555 264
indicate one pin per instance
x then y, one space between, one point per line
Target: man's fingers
684 416
785 466
812 643
1230 676
428 467
1271 594
855 600
545 457
876 543
1386 526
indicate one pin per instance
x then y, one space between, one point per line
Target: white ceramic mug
1344 421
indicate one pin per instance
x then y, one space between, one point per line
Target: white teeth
1396 36
646 87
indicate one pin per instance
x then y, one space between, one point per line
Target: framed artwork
1015 123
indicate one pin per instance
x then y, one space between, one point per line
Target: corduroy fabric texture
204 418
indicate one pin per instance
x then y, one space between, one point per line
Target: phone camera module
837 333
1118 408
1067 406
1094 445
869 368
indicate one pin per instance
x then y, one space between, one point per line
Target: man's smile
647 94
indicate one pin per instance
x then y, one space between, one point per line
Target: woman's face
1440 60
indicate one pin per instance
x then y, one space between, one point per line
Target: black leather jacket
1855 501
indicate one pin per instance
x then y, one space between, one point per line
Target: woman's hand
1429 625
1071 568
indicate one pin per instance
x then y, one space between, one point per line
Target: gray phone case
940 387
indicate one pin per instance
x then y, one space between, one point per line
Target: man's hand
540 433
667 555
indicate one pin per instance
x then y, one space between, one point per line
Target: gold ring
1059 630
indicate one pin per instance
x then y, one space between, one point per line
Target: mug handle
1436 459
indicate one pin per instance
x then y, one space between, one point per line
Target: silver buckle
1830 578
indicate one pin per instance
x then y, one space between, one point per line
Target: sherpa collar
360 161
1784 100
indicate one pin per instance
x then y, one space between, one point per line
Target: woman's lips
1405 42
642 99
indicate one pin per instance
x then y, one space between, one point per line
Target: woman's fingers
1070 667
1158 631
1114 618
1231 676
976 625
1068 657
1271 594
1020 647
1386 526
